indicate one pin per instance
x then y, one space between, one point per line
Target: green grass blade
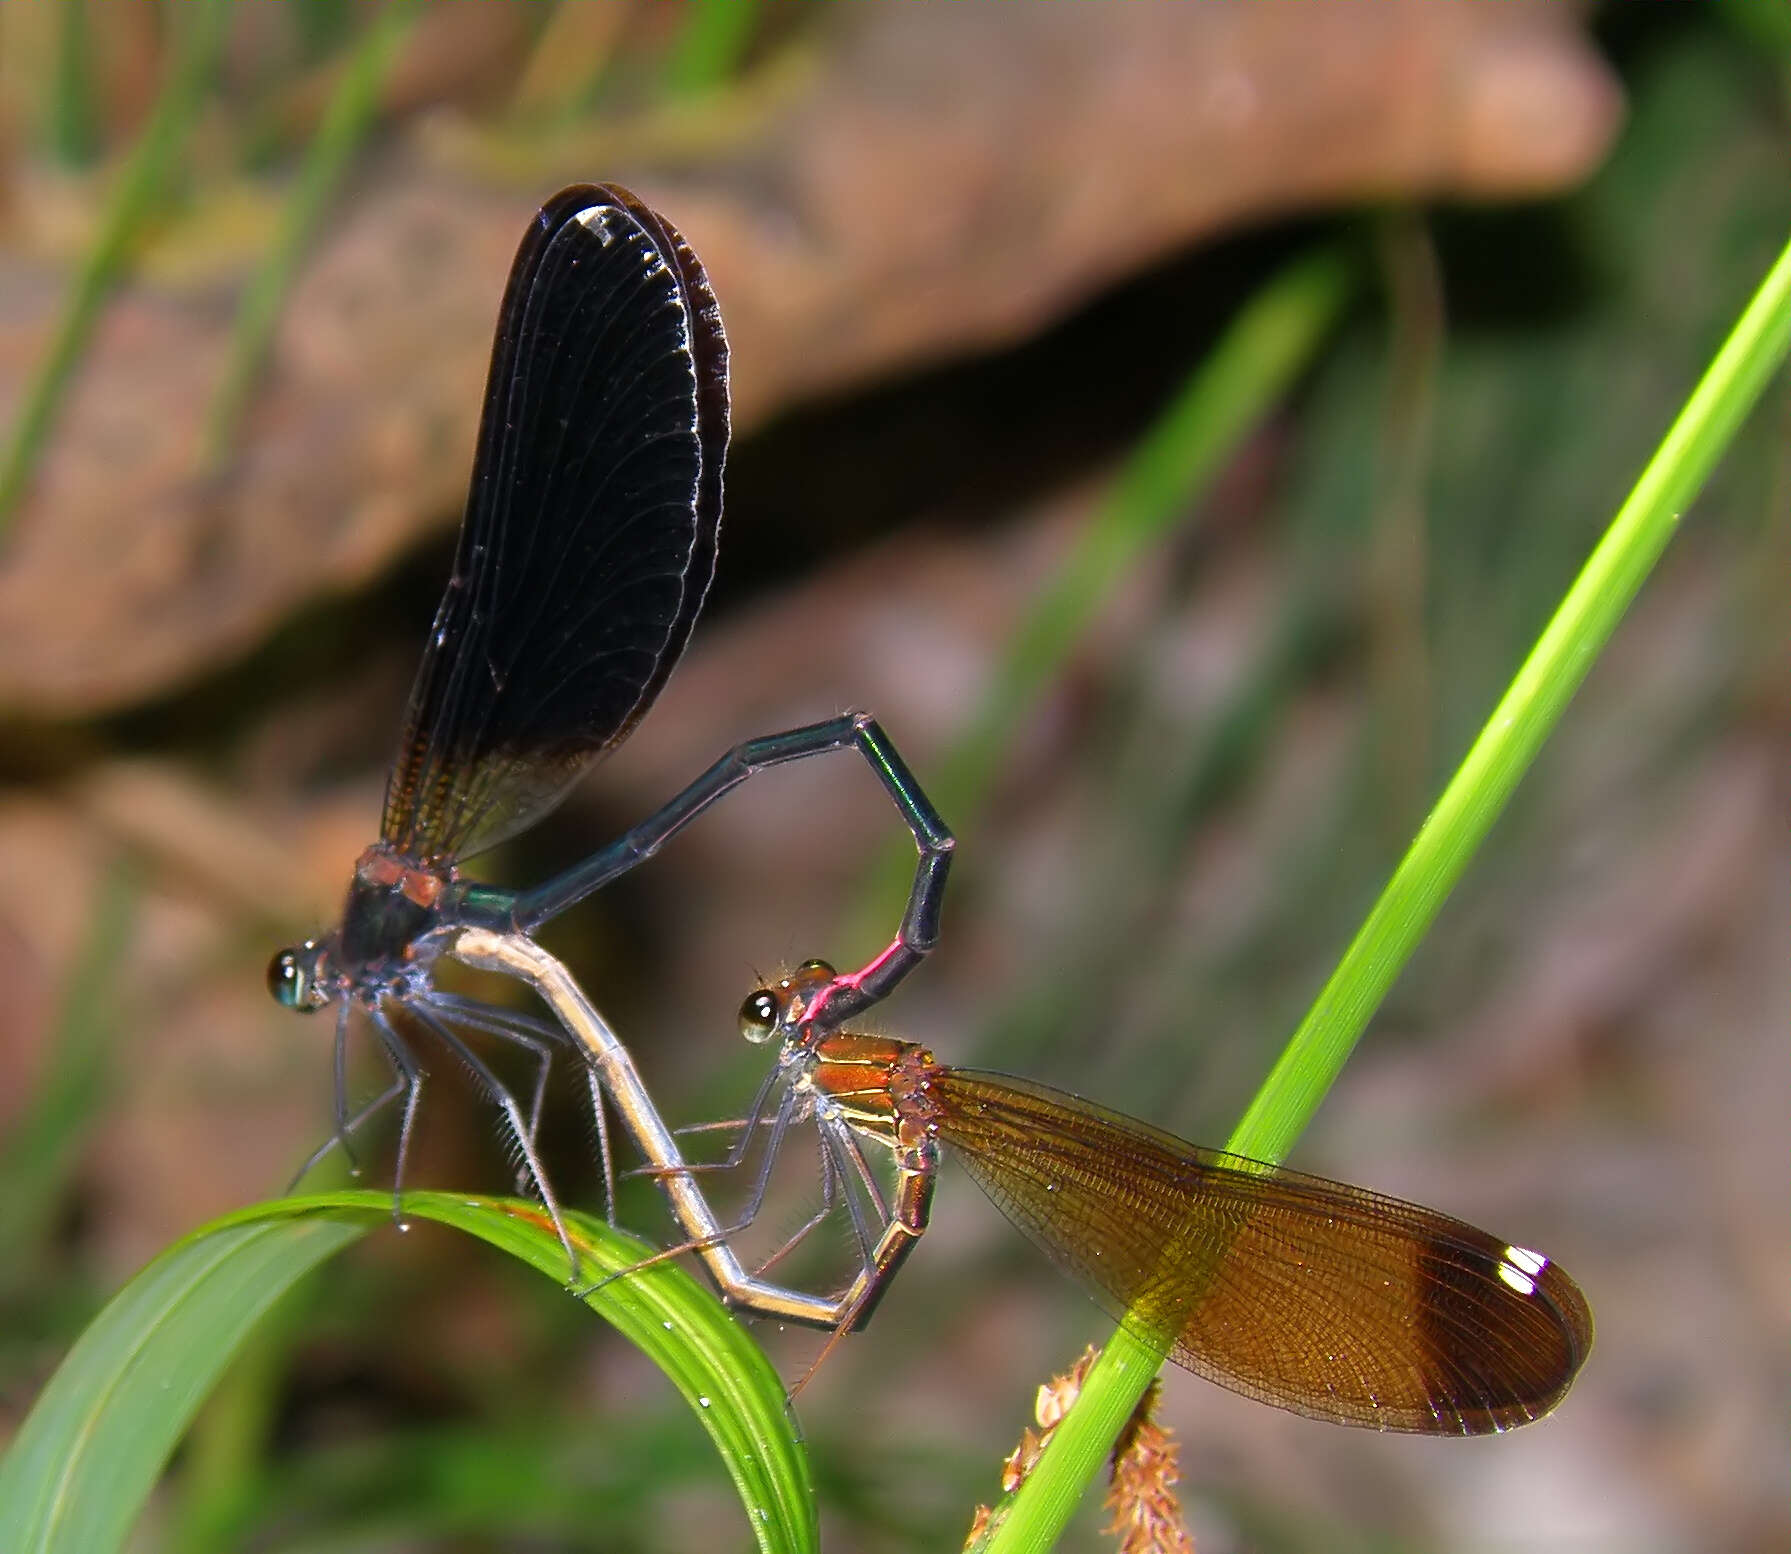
710 45
709 1357
79 1471
73 129
44 1149
211 1503
92 1448
346 121
1522 721
199 35
1473 800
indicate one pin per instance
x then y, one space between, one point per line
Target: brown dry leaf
941 182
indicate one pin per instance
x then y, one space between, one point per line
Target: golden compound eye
815 969
758 1016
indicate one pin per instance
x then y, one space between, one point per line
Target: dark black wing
1326 1299
589 536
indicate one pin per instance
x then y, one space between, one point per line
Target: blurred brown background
966 257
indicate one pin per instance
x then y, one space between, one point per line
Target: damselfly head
777 1010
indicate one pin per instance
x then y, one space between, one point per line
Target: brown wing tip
1506 1334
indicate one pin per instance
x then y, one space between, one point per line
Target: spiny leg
536 1101
343 1123
410 1083
605 1150
378 1103
754 1118
736 1155
827 1128
733 1125
512 1114
838 1142
536 1036
780 1127
539 1037
755 1200
829 1177
916 1169
732 1162
845 1139
339 1086
779 1124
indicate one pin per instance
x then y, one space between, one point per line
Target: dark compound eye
759 1015
287 981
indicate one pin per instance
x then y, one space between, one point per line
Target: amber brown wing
1329 1300
589 537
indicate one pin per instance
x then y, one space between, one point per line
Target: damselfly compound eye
289 981
758 1016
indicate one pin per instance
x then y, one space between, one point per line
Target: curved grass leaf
91 1450
93 1446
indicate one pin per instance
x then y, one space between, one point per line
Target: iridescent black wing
589 536
1329 1300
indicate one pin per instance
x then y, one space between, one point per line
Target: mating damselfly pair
586 550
